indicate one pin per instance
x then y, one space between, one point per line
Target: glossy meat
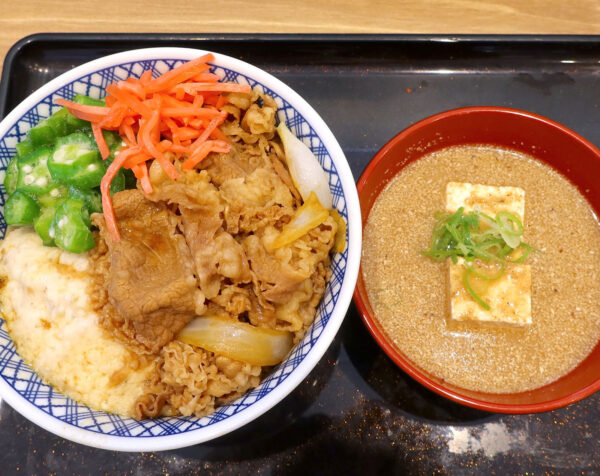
149 279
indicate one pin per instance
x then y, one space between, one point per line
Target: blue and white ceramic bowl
28 394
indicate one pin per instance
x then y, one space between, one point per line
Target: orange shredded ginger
173 117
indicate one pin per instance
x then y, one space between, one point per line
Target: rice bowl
97 429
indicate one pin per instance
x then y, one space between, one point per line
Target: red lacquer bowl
546 140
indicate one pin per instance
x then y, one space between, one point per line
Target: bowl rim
370 320
329 331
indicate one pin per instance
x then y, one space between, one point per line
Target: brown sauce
408 292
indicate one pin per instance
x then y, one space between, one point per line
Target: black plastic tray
356 413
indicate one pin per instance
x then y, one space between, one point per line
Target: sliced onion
340 234
310 215
237 340
306 171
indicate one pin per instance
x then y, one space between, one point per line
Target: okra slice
59 124
42 134
11 177
71 233
63 123
91 198
24 147
44 225
33 174
20 209
119 182
53 197
113 140
76 161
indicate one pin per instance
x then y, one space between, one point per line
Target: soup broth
408 291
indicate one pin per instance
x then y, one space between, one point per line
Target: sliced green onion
476 235
505 251
460 241
484 255
525 254
508 221
482 275
511 240
473 294
488 220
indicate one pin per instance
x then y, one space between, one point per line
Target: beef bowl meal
181 239
480 272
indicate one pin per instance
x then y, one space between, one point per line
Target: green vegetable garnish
20 209
478 300
475 235
11 177
71 226
43 225
24 147
76 161
33 176
53 180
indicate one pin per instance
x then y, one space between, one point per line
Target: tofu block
509 297
485 198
